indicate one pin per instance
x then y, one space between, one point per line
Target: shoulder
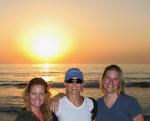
88 102
24 112
130 102
63 100
100 99
24 115
94 107
132 105
129 98
91 101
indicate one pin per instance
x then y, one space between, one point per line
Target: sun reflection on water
46 68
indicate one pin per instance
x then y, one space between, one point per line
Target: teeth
37 101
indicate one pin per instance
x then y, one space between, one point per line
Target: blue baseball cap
73 73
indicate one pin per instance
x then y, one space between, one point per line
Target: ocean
14 77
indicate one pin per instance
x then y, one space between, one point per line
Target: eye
115 79
32 93
107 78
42 94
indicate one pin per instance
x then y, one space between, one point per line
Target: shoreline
11 116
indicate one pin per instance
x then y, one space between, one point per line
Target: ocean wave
137 78
10 109
138 84
31 73
87 84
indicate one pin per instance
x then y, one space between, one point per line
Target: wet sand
12 117
7 116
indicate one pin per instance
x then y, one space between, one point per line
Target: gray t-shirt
124 109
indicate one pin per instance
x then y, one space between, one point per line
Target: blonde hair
116 68
45 106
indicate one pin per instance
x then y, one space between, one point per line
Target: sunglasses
78 81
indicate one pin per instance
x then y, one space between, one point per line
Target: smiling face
37 96
73 88
111 82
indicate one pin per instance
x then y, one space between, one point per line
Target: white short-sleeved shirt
69 112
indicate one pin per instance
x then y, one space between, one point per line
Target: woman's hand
55 102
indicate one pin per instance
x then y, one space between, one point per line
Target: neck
76 100
110 99
111 96
34 109
38 113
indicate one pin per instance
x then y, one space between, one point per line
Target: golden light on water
49 72
46 68
48 78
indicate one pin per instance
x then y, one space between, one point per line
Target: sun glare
46 43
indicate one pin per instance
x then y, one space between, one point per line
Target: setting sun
46 43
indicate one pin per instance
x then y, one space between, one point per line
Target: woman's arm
55 102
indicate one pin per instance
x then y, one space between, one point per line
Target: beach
45 38
12 116
14 77
7 116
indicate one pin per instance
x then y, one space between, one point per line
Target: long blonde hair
45 106
121 79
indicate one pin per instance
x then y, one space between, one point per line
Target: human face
37 96
111 82
73 87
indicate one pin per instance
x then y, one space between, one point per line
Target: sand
7 116
12 116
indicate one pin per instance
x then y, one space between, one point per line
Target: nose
37 96
74 83
110 80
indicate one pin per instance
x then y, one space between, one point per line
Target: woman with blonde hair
116 105
36 99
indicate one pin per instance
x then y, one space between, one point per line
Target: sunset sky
74 31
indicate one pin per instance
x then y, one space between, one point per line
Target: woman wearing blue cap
73 106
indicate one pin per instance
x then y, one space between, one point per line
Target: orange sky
87 31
